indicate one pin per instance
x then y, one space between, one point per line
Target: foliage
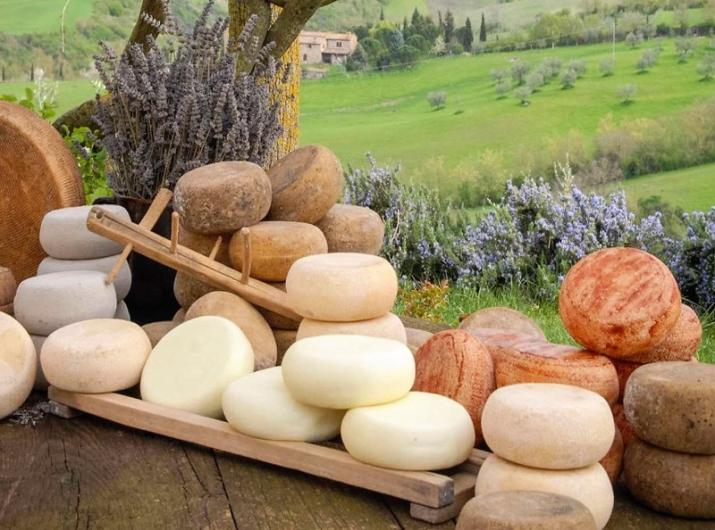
358 60
627 92
568 79
499 74
670 217
607 66
550 67
502 88
578 66
684 48
706 68
519 69
634 38
523 94
535 80
41 98
647 60
425 300
437 99
92 162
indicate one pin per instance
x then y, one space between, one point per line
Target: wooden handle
174 231
247 257
216 247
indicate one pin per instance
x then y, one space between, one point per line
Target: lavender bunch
169 111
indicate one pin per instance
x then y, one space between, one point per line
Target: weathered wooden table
89 473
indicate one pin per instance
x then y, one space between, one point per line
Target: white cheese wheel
588 485
388 326
122 312
194 363
40 379
95 356
18 363
122 281
64 234
549 426
46 303
342 287
419 432
347 371
260 405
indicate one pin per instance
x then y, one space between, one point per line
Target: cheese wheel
667 481
8 286
524 510
40 379
502 318
7 309
681 343
388 326
95 356
204 243
416 338
244 315
542 362
619 302
548 426
624 369
156 330
64 234
18 364
194 363
623 425
350 228
342 287
306 184
122 281
613 461
498 338
275 320
343 372
419 432
285 338
46 303
222 197
188 289
122 312
180 315
456 365
588 485
275 246
260 405
672 405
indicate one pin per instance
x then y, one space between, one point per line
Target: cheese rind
388 326
193 364
347 371
8 286
416 338
350 228
613 461
681 343
419 432
502 318
156 330
188 289
122 281
204 243
260 405
285 338
18 364
275 320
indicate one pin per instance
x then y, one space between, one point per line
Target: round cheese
419 432
193 364
204 243
388 326
667 481
350 228
343 372
542 362
672 405
681 343
619 302
502 318
40 379
285 338
524 510
622 424
122 281
180 315
624 369
46 303
188 289
306 184
342 287
245 316
18 364
548 426
275 246
613 461
7 309
588 485
156 330
122 312
499 338
95 356
275 320
260 405
8 286
416 338
222 197
64 234
456 365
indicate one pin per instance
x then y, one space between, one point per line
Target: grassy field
69 94
45 15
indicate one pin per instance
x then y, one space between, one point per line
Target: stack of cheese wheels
549 437
8 287
670 466
345 294
18 362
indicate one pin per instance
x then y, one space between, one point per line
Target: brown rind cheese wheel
156 330
7 309
619 302
681 343
622 424
498 338
350 228
624 369
285 338
188 289
8 286
613 461
416 338
502 318
456 365
275 320
204 243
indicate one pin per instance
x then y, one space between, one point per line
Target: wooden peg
216 247
246 243
174 231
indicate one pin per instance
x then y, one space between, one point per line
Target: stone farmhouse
326 47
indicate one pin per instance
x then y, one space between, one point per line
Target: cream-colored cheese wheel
548 426
245 316
342 287
588 485
194 363
18 363
388 326
347 371
95 356
350 228
419 432
40 379
122 281
46 303
260 405
156 330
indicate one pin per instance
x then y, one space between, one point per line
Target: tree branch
142 29
247 8
289 24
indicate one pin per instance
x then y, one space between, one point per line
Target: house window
305 56
339 44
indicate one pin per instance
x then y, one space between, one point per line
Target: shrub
684 48
627 92
706 67
91 160
425 301
633 39
550 67
647 60
455 48
535 80
568 79
437 99
519 69
499 74
502 88
578 66
607 66
523 93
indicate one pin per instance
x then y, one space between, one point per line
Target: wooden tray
434 497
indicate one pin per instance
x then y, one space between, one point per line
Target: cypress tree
448 27
382 13
468 36
483 30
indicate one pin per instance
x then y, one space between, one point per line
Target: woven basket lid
38 173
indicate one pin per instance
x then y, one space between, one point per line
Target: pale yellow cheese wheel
347 371
95 356
419 432
388 326
18 363
194 363
342 287
260 405
548 426
588 485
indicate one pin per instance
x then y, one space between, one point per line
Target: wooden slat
429 489
463 491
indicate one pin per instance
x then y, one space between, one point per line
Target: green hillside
45 16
